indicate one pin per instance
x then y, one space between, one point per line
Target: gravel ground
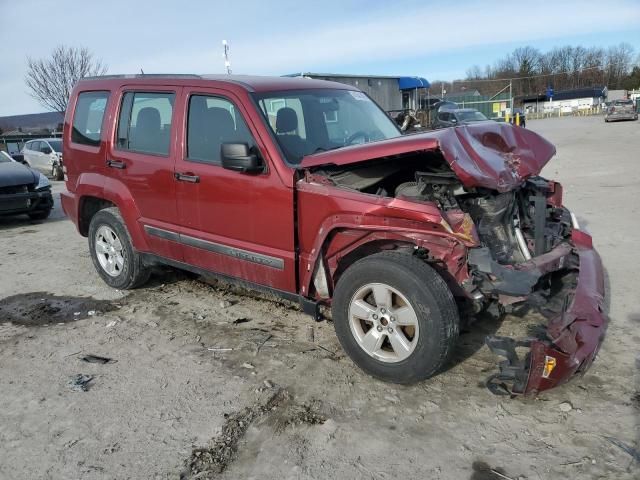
209 382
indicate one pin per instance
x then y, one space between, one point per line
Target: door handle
116 164
185 177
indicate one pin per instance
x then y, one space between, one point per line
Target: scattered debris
310 334
565 407
111 324
248 366
635 454
238 321
225 304
261 344
97 359
91 313
80 382
152 324
215 349
268 384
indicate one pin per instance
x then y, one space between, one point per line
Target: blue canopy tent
411 83
409 86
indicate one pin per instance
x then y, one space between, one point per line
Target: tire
120 266
40 215
413 284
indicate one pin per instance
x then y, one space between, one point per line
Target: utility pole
225 55
511 96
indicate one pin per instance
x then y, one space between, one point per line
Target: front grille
14 189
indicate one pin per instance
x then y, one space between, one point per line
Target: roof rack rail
143 75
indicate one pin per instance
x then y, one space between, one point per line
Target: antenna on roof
225 55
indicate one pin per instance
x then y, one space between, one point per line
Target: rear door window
88 118
213 121
145 122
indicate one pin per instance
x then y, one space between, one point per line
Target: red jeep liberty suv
307 189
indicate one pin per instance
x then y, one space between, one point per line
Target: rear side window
145 122
88 117
213 121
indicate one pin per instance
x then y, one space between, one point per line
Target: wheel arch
94 197
342 247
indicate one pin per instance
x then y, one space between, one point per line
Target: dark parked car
308 190
621 110
458 116
23 190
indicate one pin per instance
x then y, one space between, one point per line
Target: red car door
236 224
141 162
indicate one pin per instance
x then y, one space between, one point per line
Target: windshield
56 145
5 157
621 103
311 121
470 116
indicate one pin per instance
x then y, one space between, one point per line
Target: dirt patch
40 308
209 461
302 414
483 471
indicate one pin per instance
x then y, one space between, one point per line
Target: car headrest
148 120
286 120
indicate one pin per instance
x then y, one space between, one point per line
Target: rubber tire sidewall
134 273
430 298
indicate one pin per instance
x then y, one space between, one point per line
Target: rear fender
114 191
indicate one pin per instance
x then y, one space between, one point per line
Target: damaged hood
493 155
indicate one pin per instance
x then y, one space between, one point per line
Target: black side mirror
238 157
46 150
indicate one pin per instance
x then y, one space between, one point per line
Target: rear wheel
112 252
395 317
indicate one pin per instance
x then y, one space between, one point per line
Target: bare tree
51 80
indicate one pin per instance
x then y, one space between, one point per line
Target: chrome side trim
246 255
159 232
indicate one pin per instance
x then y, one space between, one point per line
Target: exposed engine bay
514 226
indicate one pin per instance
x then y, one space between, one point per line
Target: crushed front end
534 255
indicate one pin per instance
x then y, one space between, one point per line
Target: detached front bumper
573 336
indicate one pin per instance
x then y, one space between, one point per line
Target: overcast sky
434 39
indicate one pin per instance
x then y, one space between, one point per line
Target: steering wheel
359 134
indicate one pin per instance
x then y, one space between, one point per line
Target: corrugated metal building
390 92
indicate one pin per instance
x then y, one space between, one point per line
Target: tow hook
511 379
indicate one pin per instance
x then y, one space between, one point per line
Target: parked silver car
45 155
621 110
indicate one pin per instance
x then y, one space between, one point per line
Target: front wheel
112 252
395 317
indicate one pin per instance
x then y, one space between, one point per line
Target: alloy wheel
383 322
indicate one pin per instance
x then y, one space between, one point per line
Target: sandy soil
205 378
